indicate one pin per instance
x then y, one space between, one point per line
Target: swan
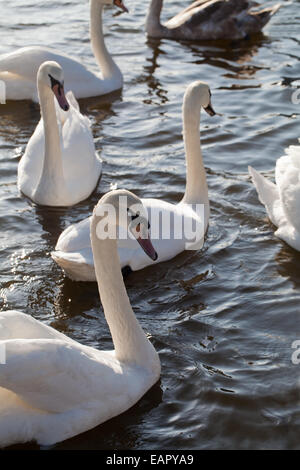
209 20
52 387
60 166
282 200
73 250
18 69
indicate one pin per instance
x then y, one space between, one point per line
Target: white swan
60 166
73 250
53 388
282 200
18 70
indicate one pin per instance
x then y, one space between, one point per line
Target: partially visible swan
53 388
282 200
209 19
73 250
19 69
60 166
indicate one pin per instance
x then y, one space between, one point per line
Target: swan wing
19 87
26 61
31 164
56 375
220 19
280 200
75 238
268 195
73 252
18 325
51 390
82 166
208 12
19 71
288 181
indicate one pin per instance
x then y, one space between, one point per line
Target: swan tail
275 9
75 266
267 194
263 16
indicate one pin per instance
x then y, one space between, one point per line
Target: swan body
60 166
73 250
53 388
209 20
282 200
19 69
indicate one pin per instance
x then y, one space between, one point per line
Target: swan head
51 75
117 3
198 94
123 209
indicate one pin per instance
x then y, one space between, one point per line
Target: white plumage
60 166
19 69
73 250
53 388
74 254
282 200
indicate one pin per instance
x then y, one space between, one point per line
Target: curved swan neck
130 342
52 180
153 25
108 67
196 184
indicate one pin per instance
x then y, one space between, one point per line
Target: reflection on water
52 222
228 56
223 319
288 261
154 85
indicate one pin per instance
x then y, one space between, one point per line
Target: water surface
223 319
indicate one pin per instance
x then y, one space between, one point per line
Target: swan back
210 20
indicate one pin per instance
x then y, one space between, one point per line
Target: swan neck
107 65
196 184
153 25
130 342
52 178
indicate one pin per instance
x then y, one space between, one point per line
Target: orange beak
121 5
148 248
58 90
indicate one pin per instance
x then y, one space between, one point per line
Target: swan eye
132 215
135 216
55 82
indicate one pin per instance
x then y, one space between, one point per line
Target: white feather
282 200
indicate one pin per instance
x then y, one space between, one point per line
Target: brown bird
210 20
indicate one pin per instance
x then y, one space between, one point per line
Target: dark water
224 319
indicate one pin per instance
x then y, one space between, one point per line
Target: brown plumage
210 20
